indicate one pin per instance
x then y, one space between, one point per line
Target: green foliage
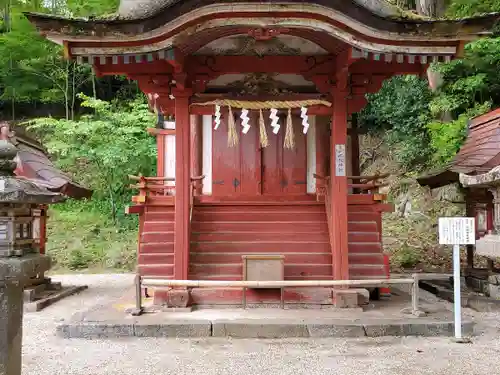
29 65
468 8
101 149
81 239
86 8
447 137
400 111
406 257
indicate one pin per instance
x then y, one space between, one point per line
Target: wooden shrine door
248 170
236 170
284 171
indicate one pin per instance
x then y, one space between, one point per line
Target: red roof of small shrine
479 154
34 165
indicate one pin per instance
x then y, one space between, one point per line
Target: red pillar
196 148
160 146
355 146
182 184
339 186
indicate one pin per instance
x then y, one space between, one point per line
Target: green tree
103 148
86 8
400 112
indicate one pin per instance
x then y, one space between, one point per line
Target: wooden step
291 270
362 237
155 259
239 277
257 236
260 226
366 258
160 216
363 216
362 226
262 208
156 248
155 237
356 271
258 216
159 226
260 247
156 269
354 247
233 257
160 209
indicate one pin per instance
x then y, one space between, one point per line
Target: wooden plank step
260 226
155 259
363 216
261 208
160 209
366 259
356 270
361 237
261 247
256 236
364 247
156 248
156 270
155 237
252 216
239 277
160 216
159 226
232 257
291 270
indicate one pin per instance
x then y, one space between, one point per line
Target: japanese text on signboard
457 231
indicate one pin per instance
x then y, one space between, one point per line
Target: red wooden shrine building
258 153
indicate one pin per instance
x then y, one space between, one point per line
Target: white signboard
457 231
340 160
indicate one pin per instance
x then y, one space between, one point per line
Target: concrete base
470 299
48 297
249 328
381 318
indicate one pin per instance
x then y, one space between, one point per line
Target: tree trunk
431 8
66 90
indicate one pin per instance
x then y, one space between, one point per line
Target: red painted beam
213 66
182 183
370 67
338 180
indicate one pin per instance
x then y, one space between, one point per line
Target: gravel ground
44 353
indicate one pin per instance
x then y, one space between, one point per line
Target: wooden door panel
225 162
250 161
295 162
285 171
235 170
272 162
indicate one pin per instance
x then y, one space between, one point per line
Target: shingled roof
142 9
140 17
34 165
479 154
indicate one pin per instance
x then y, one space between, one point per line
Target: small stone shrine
20 259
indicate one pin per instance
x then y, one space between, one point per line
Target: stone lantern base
14 273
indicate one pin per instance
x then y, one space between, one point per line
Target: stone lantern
19 257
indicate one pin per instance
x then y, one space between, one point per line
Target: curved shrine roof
34 165
138 17
479 154
142 9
